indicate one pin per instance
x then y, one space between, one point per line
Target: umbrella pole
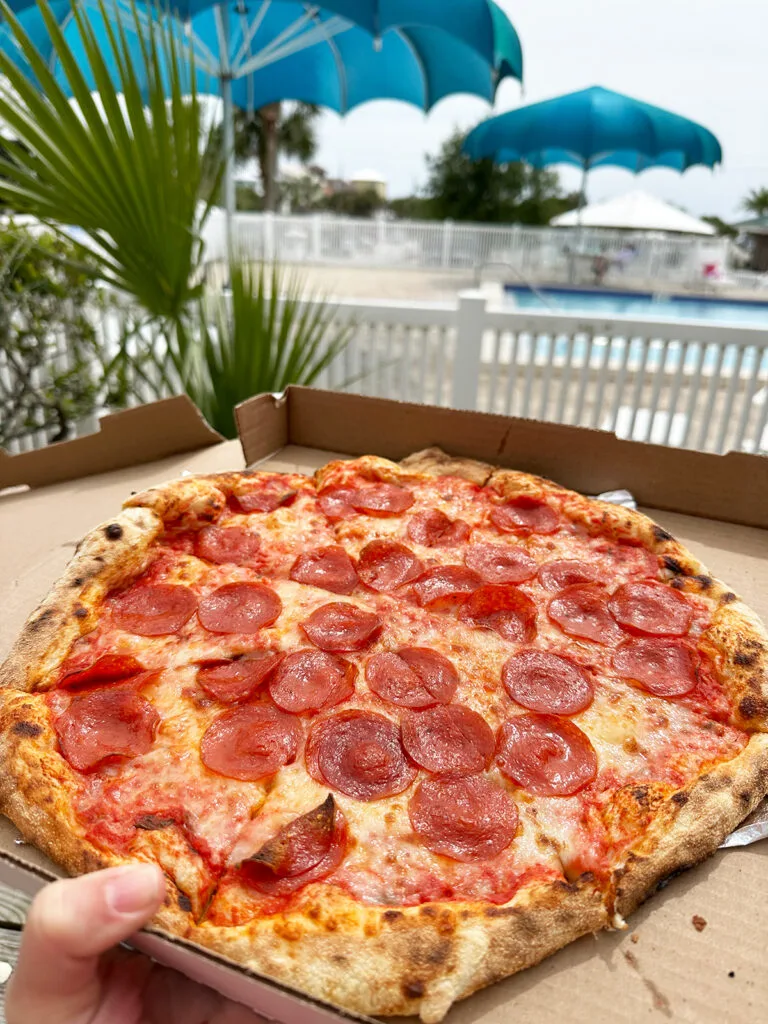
228 133
583 192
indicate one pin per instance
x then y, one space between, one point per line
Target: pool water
641 305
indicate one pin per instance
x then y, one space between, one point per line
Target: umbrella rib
310 38
250 32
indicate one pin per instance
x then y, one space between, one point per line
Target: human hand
69 972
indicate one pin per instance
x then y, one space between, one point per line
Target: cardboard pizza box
663 967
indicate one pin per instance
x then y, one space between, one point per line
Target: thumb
70 924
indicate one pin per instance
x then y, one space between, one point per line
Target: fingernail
134 889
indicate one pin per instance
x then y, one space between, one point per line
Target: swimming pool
641 305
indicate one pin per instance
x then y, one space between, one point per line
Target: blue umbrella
259 51
595 128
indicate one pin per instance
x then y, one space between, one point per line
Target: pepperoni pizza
392 733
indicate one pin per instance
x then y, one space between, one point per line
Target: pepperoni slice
376 500
360 754
433 529
566 573
239 608
582 611
329 568
499 563
525 516
312 681
652 609
450 740
381 500
540 681
339 626
239 679
665 668
385 565
266 499
105 724
445 586
251 742
504 608
336 502
469 819
109 668
230 544
154 609
546 755
413 677
306 850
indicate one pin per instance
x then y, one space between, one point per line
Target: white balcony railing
682 384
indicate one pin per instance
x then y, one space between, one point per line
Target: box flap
127 438
730 488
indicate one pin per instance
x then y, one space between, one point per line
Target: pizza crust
416 960
114 553
694 824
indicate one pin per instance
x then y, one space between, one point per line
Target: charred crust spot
153 822
41 619
313 913
745 796
78 581
391 916
27 729
185 903
493 912
681 799
439 954
753 707
661 534
676 583
640 794
664 882
674 566
742 658
80 612
428 911
413 989
340 960
113 531
705 582
728 598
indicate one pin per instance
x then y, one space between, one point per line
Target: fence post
317 227
470 322
445 258
269 237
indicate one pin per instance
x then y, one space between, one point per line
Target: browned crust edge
418 960
111 554
694 824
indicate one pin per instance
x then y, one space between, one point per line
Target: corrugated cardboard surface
672 971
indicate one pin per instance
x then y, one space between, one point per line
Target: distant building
369 181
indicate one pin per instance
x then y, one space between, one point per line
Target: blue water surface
642 305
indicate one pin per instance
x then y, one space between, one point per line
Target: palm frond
129 170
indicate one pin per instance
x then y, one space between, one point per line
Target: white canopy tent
635 211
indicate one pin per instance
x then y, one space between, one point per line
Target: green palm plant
129 170
267 333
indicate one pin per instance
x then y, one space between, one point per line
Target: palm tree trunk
270 121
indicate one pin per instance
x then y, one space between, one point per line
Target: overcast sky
705 59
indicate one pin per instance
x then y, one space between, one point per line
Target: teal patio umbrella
336 55
594 128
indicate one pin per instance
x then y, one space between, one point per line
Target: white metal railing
683 384
555 255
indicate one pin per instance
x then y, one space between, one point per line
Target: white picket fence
554 255
682 384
